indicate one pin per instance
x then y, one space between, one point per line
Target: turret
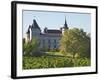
65 27
27 38
35 29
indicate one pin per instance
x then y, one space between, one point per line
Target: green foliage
54 50
52 62
82 62
75 41
31 47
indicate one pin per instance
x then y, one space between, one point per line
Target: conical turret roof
28 31
35 25
65 25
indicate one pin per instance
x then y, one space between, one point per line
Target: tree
75 41
31 47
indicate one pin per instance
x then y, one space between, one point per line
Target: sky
56 20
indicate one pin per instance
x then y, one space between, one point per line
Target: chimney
45 30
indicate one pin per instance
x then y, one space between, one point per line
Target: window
43 41
49 41
55 41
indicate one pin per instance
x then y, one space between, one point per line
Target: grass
53 60
54 53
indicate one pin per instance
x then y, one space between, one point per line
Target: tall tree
75 41
31 46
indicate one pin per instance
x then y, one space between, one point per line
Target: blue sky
55 20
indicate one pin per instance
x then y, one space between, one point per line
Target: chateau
49 38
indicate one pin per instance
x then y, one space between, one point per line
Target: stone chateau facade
49 38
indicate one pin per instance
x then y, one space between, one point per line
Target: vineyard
53 62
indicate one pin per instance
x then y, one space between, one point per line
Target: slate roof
48 35
28 31
65 25
53 31
35 25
